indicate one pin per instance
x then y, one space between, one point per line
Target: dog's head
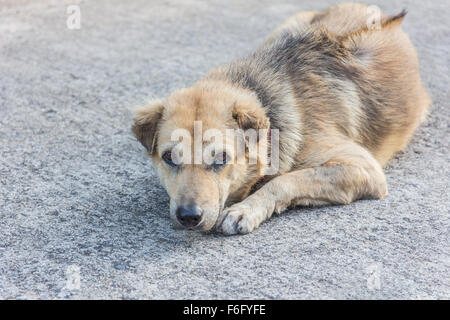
188 136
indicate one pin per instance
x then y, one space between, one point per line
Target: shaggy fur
344 96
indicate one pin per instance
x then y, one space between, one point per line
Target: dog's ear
146 123
250 116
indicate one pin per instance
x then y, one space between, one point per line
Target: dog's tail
392 21
385 22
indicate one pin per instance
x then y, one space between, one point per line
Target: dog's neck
276 98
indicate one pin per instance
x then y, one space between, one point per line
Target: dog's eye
167 157
220 160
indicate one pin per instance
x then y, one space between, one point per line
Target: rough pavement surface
77 192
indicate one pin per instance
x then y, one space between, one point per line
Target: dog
341 88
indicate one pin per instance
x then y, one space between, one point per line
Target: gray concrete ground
78 194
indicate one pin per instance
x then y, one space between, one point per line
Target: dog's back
340 20
383 99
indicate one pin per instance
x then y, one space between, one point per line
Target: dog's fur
345 97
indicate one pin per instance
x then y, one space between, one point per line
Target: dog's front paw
239 219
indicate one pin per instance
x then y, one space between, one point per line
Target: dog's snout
190 215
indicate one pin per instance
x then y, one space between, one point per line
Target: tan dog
343 90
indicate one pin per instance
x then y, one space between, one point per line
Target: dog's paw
239 219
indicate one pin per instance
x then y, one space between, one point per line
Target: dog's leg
348 172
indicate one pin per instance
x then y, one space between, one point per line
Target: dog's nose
190 215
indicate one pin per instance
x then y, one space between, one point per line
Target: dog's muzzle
189 216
